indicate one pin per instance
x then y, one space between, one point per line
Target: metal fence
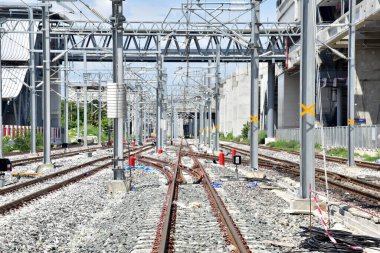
366 137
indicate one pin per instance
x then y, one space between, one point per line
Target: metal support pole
140 119
158 97
1 96
351 84
100 111
46 81
195 124
217 98
254 129
201 124
66 92
117 20
32 80
209 106
128 124
85 102
78 115
307 106
205 123
270 116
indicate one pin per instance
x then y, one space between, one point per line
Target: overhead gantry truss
177 43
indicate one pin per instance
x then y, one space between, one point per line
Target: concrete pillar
271 92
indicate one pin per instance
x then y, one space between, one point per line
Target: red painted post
221 158
131 161
233 152
160 151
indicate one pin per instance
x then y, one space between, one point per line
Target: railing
366 137
13 131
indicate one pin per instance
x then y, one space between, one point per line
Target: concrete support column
271 92
339 104
307 105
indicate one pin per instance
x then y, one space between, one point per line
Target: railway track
357 186
30 197
165 235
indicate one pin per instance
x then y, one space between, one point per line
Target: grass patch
338 152
91 131
369 158
286 145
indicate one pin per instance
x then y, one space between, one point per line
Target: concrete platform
118 186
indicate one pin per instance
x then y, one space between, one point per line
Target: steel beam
307 119
100 110
85 103
351 84
66 91
217 99
254 117
46 83
117 20
32 80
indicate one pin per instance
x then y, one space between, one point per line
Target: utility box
116 101
5 164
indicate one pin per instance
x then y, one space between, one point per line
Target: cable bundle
346 241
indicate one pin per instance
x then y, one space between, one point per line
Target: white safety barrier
366 137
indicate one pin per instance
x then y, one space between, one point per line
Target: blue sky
156 10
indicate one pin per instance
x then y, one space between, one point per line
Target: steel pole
46 81
100 111
307 106
85 102
201 124
254 129
32 80
339 94
351 84
217 98
1 96
78 115
195 124
66 91
270 116
118 72
209 106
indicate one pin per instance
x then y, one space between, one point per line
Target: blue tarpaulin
252 185
147 169
216 185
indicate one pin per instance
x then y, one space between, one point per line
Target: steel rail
335 179
26 199
233 231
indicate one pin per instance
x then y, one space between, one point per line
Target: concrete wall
236 98
367 97
288 100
